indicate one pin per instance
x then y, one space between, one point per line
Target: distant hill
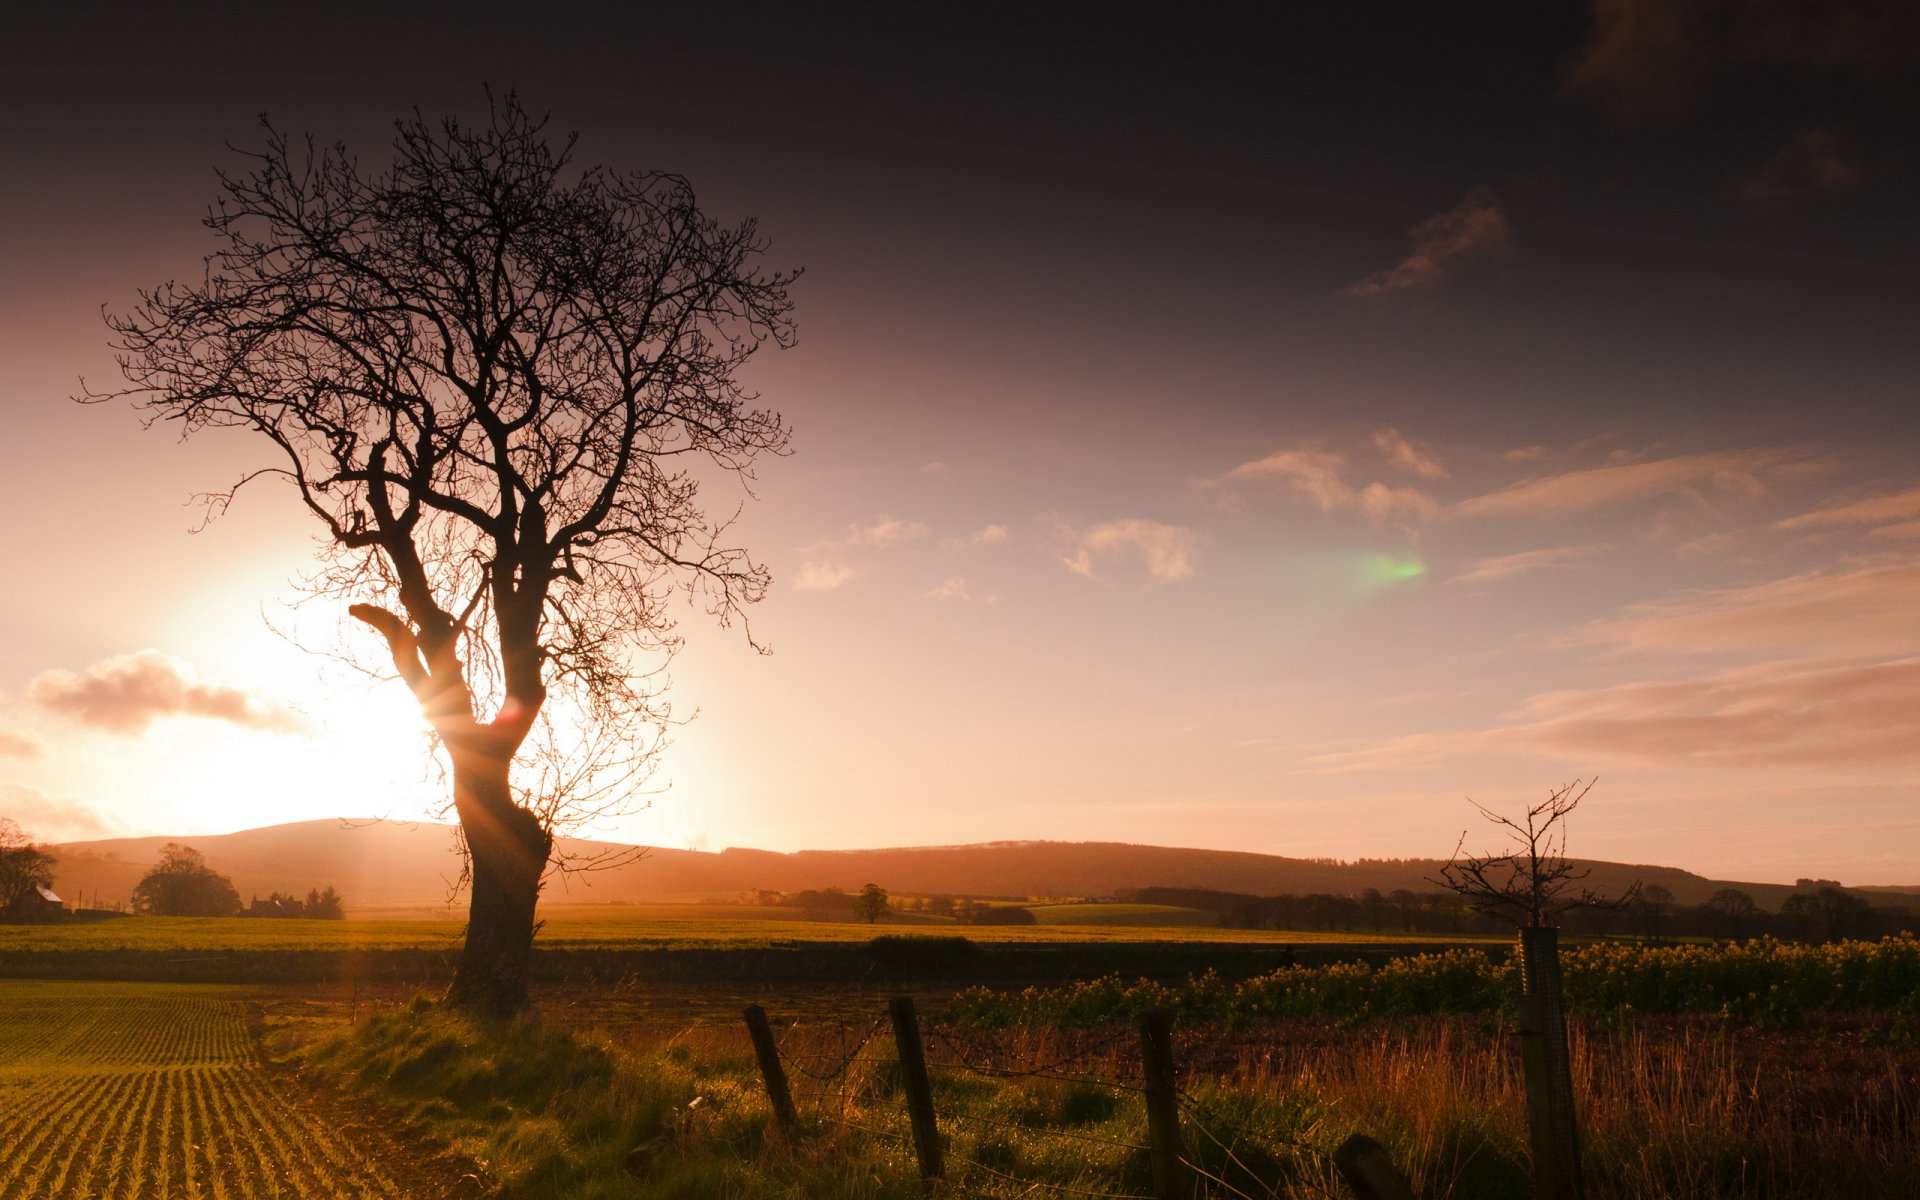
382 864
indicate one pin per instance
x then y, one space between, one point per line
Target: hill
381 864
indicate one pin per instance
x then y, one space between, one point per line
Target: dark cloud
1473 228
1810 164
128 692
1645 58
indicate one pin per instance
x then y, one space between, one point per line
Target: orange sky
1260 461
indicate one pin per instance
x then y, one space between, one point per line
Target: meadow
1035 1101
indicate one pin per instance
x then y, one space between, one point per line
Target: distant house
37 904
274 906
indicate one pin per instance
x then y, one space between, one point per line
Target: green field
663 926
135 1091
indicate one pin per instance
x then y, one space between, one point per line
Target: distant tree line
872 903
181 884
1819 910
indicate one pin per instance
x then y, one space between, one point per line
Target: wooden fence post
913 1076
771 1071
1548 1067
1364 1164
1171 1180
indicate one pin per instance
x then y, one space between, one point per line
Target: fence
1188 1150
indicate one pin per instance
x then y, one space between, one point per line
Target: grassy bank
1673 1106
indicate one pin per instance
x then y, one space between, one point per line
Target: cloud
1740 472
1474 228
1894 511
1866 610
1167 551
822 577
1810 164
882 533
1841 688
1318 476
1801 714
1650 57
1808 713
1401 453
128 692
936 470
18 745
986 535
1507 566
47 820
952 589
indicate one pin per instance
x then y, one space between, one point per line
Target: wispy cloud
1474 228
882 533
18 745
128 692
1812 163
1841 687
986 535
1318 476
48 820
1730 472
1899 507
951 589
1807 713
1403 454
1507 566
1168 552
823 577
1865 610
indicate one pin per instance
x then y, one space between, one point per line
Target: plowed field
155 1092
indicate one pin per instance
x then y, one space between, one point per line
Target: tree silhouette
23 865
183 885
871 903
1533 882
497 381
1732 911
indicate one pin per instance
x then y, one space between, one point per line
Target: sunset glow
1179 457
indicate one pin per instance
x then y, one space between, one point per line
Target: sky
1263 436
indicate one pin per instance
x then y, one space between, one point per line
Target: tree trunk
507 853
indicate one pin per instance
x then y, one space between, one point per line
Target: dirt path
158 1092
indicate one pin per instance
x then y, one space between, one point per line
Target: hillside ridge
390 864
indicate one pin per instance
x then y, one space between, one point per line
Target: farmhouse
36 904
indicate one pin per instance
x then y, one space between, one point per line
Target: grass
1695 1108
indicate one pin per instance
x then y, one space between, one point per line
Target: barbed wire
951 1037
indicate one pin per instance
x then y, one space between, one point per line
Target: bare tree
497 381
1532 883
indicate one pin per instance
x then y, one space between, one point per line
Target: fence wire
966 1052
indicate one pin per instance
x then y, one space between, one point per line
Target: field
658 926
1763 1071
136 1091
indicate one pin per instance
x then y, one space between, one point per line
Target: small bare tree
1533 883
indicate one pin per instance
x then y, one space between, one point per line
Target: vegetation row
1761 978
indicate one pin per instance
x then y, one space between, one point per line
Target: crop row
110 1120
